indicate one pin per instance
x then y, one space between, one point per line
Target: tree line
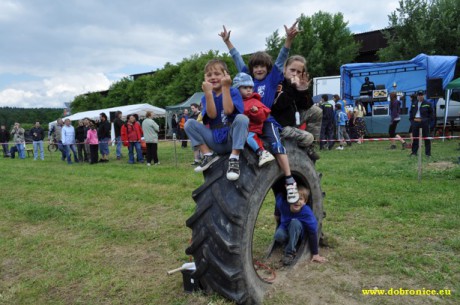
28 116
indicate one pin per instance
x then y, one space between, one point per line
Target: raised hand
292 31
226 81
225 35
304 81
206 86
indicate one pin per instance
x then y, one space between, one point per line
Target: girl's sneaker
265 157
292 193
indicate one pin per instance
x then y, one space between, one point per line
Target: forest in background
28 116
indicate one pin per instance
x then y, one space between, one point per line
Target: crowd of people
89 140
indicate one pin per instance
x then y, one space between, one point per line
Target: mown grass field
107 233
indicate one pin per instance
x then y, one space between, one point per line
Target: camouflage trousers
313 118
302 137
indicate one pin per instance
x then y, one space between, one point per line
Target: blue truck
403 77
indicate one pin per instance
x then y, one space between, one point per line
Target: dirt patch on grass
338 283
441 165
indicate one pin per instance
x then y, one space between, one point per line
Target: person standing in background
80 137
195 115
68 141
4 139
182 120
18 137
117 124
421 114
38 134
103 133
395 107
151 129
93 142
55 136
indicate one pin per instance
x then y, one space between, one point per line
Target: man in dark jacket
103 134
4 138
327 124
421 114
38 134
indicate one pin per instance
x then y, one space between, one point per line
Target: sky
54 50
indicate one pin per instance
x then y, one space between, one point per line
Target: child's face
294 69
259 72
246 91
214 76
296 207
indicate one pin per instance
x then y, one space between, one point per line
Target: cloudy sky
53 50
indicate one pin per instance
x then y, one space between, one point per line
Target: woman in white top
151 129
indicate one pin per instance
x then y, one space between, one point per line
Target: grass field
107 233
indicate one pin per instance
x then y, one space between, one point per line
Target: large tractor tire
225 217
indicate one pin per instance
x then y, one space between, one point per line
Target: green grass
107 233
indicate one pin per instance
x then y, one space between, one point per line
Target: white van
453 114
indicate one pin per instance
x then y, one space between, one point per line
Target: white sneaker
292 193
233 172
148 164
265 157
339 148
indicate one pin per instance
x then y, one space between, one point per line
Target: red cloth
131 133
256 119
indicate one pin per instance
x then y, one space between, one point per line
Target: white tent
139 109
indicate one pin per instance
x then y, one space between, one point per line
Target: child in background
223 113
257 114
266 78
92 140
293 106
341 119
294 221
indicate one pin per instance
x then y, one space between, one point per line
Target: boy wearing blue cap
257 114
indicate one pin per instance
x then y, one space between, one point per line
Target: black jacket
426 111
288 101
328 111
40 134
4 136
117 124
80 134
104 130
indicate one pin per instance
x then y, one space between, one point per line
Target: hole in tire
262 239
266 258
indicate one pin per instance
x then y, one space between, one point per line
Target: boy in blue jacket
294 221
341 119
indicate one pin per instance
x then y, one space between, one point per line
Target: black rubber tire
225 217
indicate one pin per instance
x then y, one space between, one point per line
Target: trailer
326 85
